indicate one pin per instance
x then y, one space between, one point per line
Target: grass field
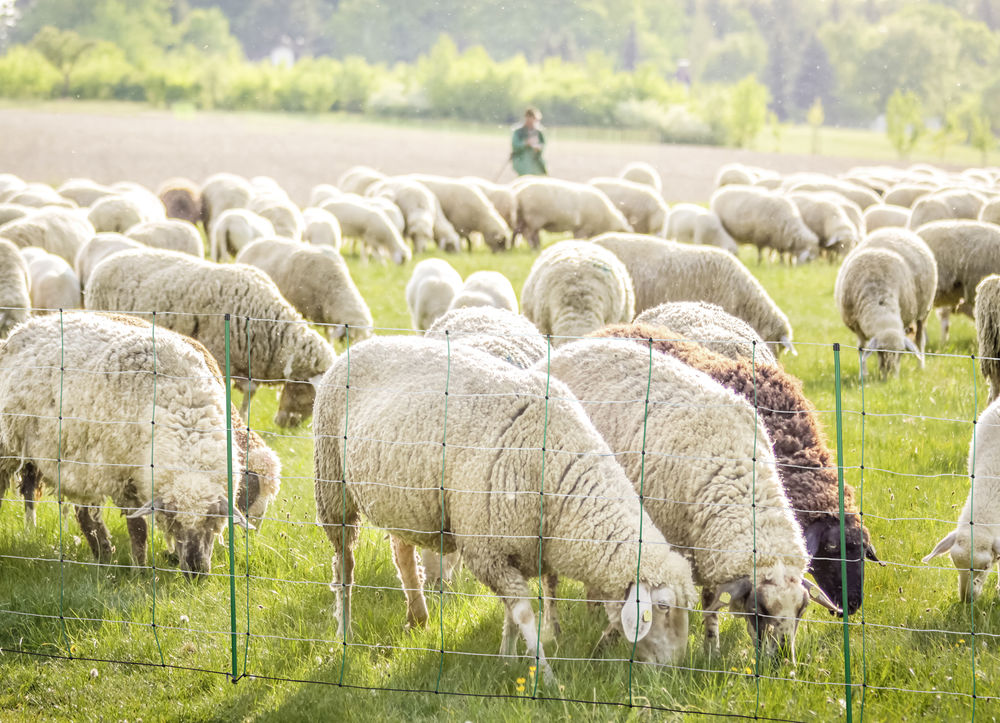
912 643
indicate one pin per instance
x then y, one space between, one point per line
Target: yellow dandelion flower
520 689
520 681
961 640
748 671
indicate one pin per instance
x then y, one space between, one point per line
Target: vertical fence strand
753 514
444 440
345 609
246 470
861 512
541 515
59 497
843 540
972 541
152 493
229 483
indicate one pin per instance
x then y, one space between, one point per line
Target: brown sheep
182 199
806 466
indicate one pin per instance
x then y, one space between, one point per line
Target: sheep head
823 545
974 556
651 618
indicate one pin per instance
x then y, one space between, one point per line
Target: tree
747 111
62 48
904 118
815 79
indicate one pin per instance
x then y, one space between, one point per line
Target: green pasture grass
913 635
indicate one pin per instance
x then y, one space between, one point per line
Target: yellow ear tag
647 615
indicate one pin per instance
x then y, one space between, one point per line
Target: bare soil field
149 146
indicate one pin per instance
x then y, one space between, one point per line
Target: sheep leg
522 614
247 396
711 619
95 532
342 533
944 314
411 576
508 639
920 334
550 615
31 491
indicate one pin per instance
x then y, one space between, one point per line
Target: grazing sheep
860 195
13 211
15 285
221 192
987 315
690 223
59 231
468 210
78 413
907 194
966 252
235 228
358 218
836 232
945 205
711 327
485 288
285 216
575 287
173 234
390 209
974 544
269 339
425 218
503 333
806 466
358 179
502 198
39 195
883 215
321 228
54 284
642 172
496 416
767 220
119 213
99 248
990 212
641 205
735 174
707 477
550 204
316 281
83 191
430 290
664 271
9 186
181 197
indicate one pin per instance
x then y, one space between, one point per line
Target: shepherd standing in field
527 145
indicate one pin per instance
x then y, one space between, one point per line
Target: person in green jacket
527 145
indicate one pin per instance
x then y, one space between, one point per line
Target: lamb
15 284
358 178
485 288
696 479
884 215
711 327
502 198
59 231
944 205
987 316
181 197
468 210
321 228
360 219
690 223
268 337
172 234
221 192
235 228
97 249
642 172
974 544
316 281
575 287
492 476
54 284
664 271
806 466
836 232
83 191
641 205
990 212
119 213
884 287
81 408
966 252
766 220
549 204
430 290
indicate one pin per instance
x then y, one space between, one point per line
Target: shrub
25 73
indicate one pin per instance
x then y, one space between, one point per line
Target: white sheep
640 204
360 219
430 290
173 234
907 194
84 191
765 219
54 284
501 196
818 182
119 213
358 178
10 185
664 271
691 223
220 192
468 210
987 316
39 195
390 209
15 288
59 231
233 229
990 212
505 334
574 288
486 288
642 172
827 219
884 215
99 248
13 211
550 204
316 281
425 218
322 192
270 342
735 174
492 476
321 228
944 205
285 216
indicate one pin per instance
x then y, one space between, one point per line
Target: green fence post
843 536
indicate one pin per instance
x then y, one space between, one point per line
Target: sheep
697 480
285 216
549 204
268 337
181 197
97 249
54 284
907 194
39 195
503 333
468 210
316 281
323 192
884 215
119 213
485 288
108 379
15 285
642 172
83 191
860 195
425 219
173 234
321 228
664 271
806 466
990 212
358 178
430 290
235 228
711 327
690 223
221 192
502 198
641 205
10 185
575 287
390 209
944 205
59 231
836 232
974 544
496 417
966 252
987 316
766 220
363 220
13 211
735 174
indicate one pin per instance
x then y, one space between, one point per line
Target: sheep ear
870 346
870 554
240 521
637 612
813 535
804 256
736 589
316 380
943 546
832 241
146 509
911 346
817 595
787 344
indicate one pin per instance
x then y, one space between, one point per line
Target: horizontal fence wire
273 598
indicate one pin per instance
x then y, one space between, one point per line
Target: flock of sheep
632 393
